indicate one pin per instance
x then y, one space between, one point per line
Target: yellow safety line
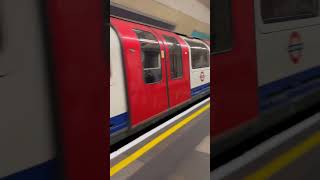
124 163
286 158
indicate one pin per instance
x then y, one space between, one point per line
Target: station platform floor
180 151
292 155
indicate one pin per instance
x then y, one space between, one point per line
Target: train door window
199 55
175 54
222 27
150 56
286 10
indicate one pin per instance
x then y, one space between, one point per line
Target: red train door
235 96
177 64
143 56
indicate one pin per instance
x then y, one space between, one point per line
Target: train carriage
52 90
154 72
266 66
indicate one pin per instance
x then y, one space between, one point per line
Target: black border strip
52 87
134 16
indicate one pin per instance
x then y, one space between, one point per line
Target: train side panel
177 67
152 75
119 118
234 75
270 69
199 76
145 73
26 132
287 58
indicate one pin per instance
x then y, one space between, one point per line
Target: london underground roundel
295 48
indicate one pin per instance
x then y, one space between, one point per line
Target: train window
199 55
222 28
150 56
175 54
286 10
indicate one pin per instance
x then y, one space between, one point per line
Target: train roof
153 26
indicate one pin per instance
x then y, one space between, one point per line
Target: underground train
266 66
53 89
153 73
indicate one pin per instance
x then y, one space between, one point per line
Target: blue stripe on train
200 89
119 122
289 87
46 170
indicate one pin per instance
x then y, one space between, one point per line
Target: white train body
118 104
273 43
287 54
199 77
26 133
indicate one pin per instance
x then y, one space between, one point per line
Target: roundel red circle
295 47
202 76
